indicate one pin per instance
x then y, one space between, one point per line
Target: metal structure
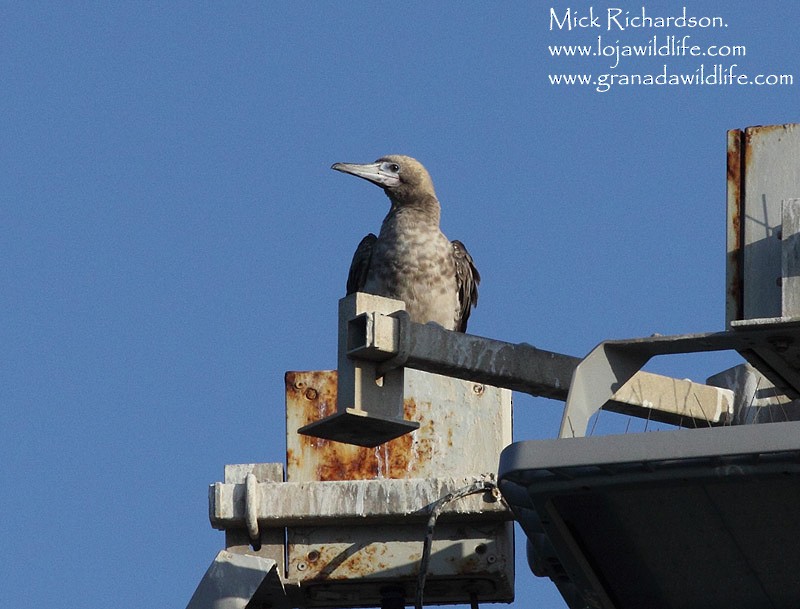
776 346
616 522
388 343
762 235
700 518
689 518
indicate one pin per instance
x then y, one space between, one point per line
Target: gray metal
429 347
233 580
361 387
776 345
763 175
688 518
757 400
522 367
790 256
249 538
347 502
678 402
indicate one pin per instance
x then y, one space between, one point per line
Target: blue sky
173 239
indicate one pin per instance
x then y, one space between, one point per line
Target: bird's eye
394 167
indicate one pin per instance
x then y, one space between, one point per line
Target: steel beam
364 502
431 348
395 341
232 580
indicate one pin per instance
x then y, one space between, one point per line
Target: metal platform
703 518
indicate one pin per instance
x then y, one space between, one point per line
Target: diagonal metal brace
773 346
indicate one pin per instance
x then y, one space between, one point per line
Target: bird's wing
467 279
357 276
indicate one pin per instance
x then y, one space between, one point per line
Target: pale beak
372 172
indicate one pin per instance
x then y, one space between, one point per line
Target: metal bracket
774 344
232 580
369 408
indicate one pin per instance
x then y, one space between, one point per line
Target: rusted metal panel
463 426
452 414
332 561
771 174
733 267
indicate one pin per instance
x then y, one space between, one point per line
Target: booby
411 259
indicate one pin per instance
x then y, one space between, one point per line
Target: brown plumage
411 260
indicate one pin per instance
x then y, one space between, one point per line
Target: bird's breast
418 269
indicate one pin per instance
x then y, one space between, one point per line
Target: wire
486 483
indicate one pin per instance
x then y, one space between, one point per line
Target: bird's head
403 179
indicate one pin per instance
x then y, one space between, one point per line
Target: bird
411 259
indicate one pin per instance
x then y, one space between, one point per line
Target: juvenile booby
411 260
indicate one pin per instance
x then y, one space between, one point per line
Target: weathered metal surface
345 502
757 400
233 580
673 401
612 363
270 542
524 367
463 556
771 175
368 412
734 260
378 497
428 347
790 257
452 415
701 518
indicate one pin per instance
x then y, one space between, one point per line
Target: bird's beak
372 172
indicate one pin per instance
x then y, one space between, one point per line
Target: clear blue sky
173 240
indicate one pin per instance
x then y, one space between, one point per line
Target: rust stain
312 396
734 157
353 560
735 184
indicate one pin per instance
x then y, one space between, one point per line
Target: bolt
311 394
478 389
301 566
480 548
491 559
313 556
299 384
